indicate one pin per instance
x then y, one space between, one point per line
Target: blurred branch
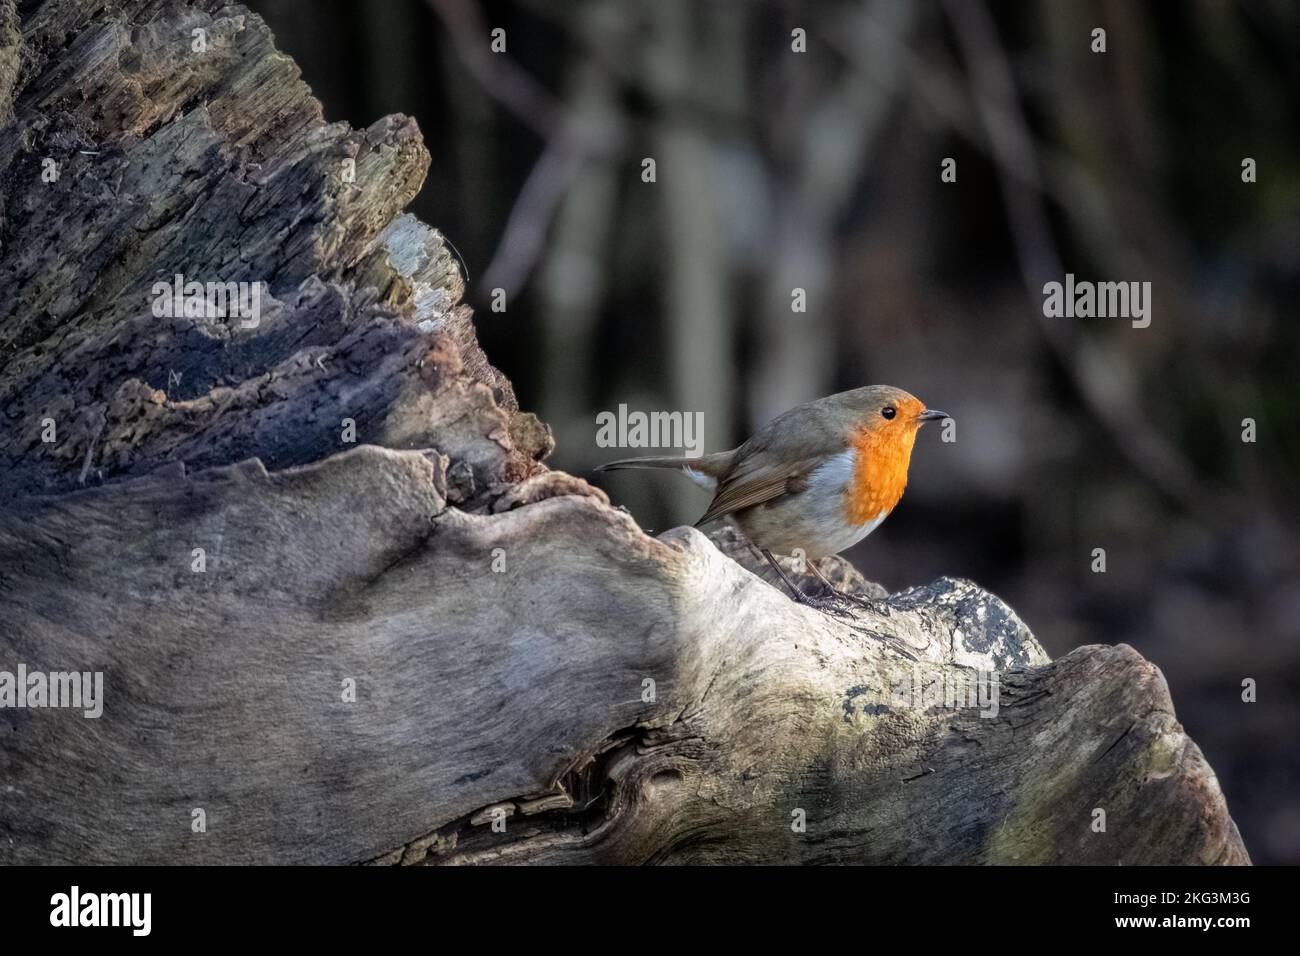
572 139
696 294
999 128
572 278
826 140
531 216
1105 393
501 77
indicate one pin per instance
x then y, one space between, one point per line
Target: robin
820 477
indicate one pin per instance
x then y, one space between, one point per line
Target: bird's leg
820 604
842 595
780 571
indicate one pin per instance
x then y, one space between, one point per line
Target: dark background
820 170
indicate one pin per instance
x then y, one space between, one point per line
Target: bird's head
883 422
885 416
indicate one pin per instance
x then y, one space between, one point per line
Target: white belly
826 489
849 535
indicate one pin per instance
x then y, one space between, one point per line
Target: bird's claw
830 604
853 599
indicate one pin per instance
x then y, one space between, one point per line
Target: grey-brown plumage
800 482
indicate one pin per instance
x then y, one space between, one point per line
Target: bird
815 480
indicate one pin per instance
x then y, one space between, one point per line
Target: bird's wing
759 473
744 488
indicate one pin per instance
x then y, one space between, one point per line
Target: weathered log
535 678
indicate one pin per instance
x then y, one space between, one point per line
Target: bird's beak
932 415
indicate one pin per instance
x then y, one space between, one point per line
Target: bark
535 678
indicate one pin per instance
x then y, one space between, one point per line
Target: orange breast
879 472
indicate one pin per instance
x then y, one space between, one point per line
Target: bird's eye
888 411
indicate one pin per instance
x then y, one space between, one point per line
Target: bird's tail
708 468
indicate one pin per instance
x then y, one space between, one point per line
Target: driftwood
407 640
